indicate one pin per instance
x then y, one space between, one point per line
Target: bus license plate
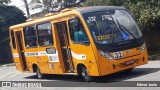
129 62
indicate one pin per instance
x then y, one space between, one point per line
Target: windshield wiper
124 28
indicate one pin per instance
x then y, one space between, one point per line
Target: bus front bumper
113 66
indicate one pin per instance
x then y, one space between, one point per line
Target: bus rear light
143 47
107 55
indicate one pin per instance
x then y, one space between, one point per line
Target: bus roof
98 8
81 10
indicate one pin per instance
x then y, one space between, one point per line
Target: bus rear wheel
85 74
39 74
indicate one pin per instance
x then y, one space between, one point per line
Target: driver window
77 31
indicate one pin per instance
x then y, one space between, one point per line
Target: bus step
26 72
70 73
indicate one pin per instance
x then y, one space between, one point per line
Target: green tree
9 15
55 5
2 2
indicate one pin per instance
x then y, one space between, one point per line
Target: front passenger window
77 31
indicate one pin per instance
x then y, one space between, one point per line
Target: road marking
2 74
15 74
25 73
6 74
4 88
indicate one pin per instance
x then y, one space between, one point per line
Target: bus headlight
107 55
143 47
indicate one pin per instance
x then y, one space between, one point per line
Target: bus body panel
17 61
84 53
42 61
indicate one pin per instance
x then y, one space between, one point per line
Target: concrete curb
8 65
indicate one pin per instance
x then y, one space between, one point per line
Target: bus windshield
112 26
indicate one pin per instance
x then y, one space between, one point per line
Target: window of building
30 36
45 36
77 31
13 40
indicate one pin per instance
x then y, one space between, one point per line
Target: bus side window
13 40
30 37
77 31
45 36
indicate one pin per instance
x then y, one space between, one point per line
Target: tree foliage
2 2
54 5
146 12
9 15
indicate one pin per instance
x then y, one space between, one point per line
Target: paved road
149 72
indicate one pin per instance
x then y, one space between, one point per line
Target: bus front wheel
39 74
85 74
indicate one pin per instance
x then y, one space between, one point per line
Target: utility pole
27 9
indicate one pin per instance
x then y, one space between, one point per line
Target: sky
20 4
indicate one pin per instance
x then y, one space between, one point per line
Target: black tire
128 70
85 74
39 74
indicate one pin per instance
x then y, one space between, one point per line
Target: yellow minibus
85 41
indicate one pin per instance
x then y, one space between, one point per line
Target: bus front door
21 50
61 28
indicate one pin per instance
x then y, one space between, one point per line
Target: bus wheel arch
83 72
37 71
34 67
79 68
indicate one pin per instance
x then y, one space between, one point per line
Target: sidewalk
151 64
7 65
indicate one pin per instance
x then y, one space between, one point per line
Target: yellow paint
96 64
15 74
106 37
7 74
